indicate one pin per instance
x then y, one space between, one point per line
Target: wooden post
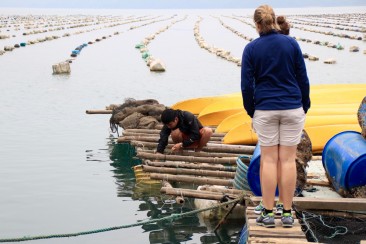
180 171
98 111
178 199
192 179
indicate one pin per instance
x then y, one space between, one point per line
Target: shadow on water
156 205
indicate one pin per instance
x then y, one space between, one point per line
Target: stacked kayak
333 110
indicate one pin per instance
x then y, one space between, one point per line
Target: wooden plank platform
279 234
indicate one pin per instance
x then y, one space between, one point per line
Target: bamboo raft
214 169
215 166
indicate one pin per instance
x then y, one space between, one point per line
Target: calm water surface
60 171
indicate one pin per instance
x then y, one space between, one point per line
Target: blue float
344 159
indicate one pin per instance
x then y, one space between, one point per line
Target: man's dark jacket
187 124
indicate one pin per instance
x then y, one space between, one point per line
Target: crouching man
185 129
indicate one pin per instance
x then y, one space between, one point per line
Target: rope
171 218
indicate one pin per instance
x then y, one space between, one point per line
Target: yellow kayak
316 110
319 134
213 114
196 105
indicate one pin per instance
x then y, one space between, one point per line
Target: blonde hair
265 19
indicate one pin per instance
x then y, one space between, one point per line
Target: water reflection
156 206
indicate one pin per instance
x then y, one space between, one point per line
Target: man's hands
177 147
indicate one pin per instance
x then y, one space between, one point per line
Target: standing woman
275 90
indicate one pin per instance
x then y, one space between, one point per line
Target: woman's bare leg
269 160
288 175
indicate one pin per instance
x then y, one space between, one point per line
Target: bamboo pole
101 111
158 156
152 138
192 179
225 190
180 171
179 199
193 153
211 147
242 149
192 193
177 164
153 132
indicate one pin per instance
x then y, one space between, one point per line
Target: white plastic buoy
61 68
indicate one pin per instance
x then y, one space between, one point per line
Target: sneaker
259 208
267 221
279 208
287 220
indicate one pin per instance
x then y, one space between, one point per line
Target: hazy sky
163 4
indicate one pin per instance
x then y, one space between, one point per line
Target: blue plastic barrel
75 52
240 179
344 159
253 172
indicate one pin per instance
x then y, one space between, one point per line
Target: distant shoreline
244 11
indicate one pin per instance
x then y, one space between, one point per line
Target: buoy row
233 30
340 18
77 50
61 25
70 27
329 33
50 38
155 64
152 22
320 24
62 67
324 44
217 51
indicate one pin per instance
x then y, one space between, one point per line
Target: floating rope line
170 218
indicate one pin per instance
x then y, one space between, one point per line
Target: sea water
60 170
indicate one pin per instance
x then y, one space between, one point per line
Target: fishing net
136 114
361 114
333 226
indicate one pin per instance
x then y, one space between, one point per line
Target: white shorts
279 127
